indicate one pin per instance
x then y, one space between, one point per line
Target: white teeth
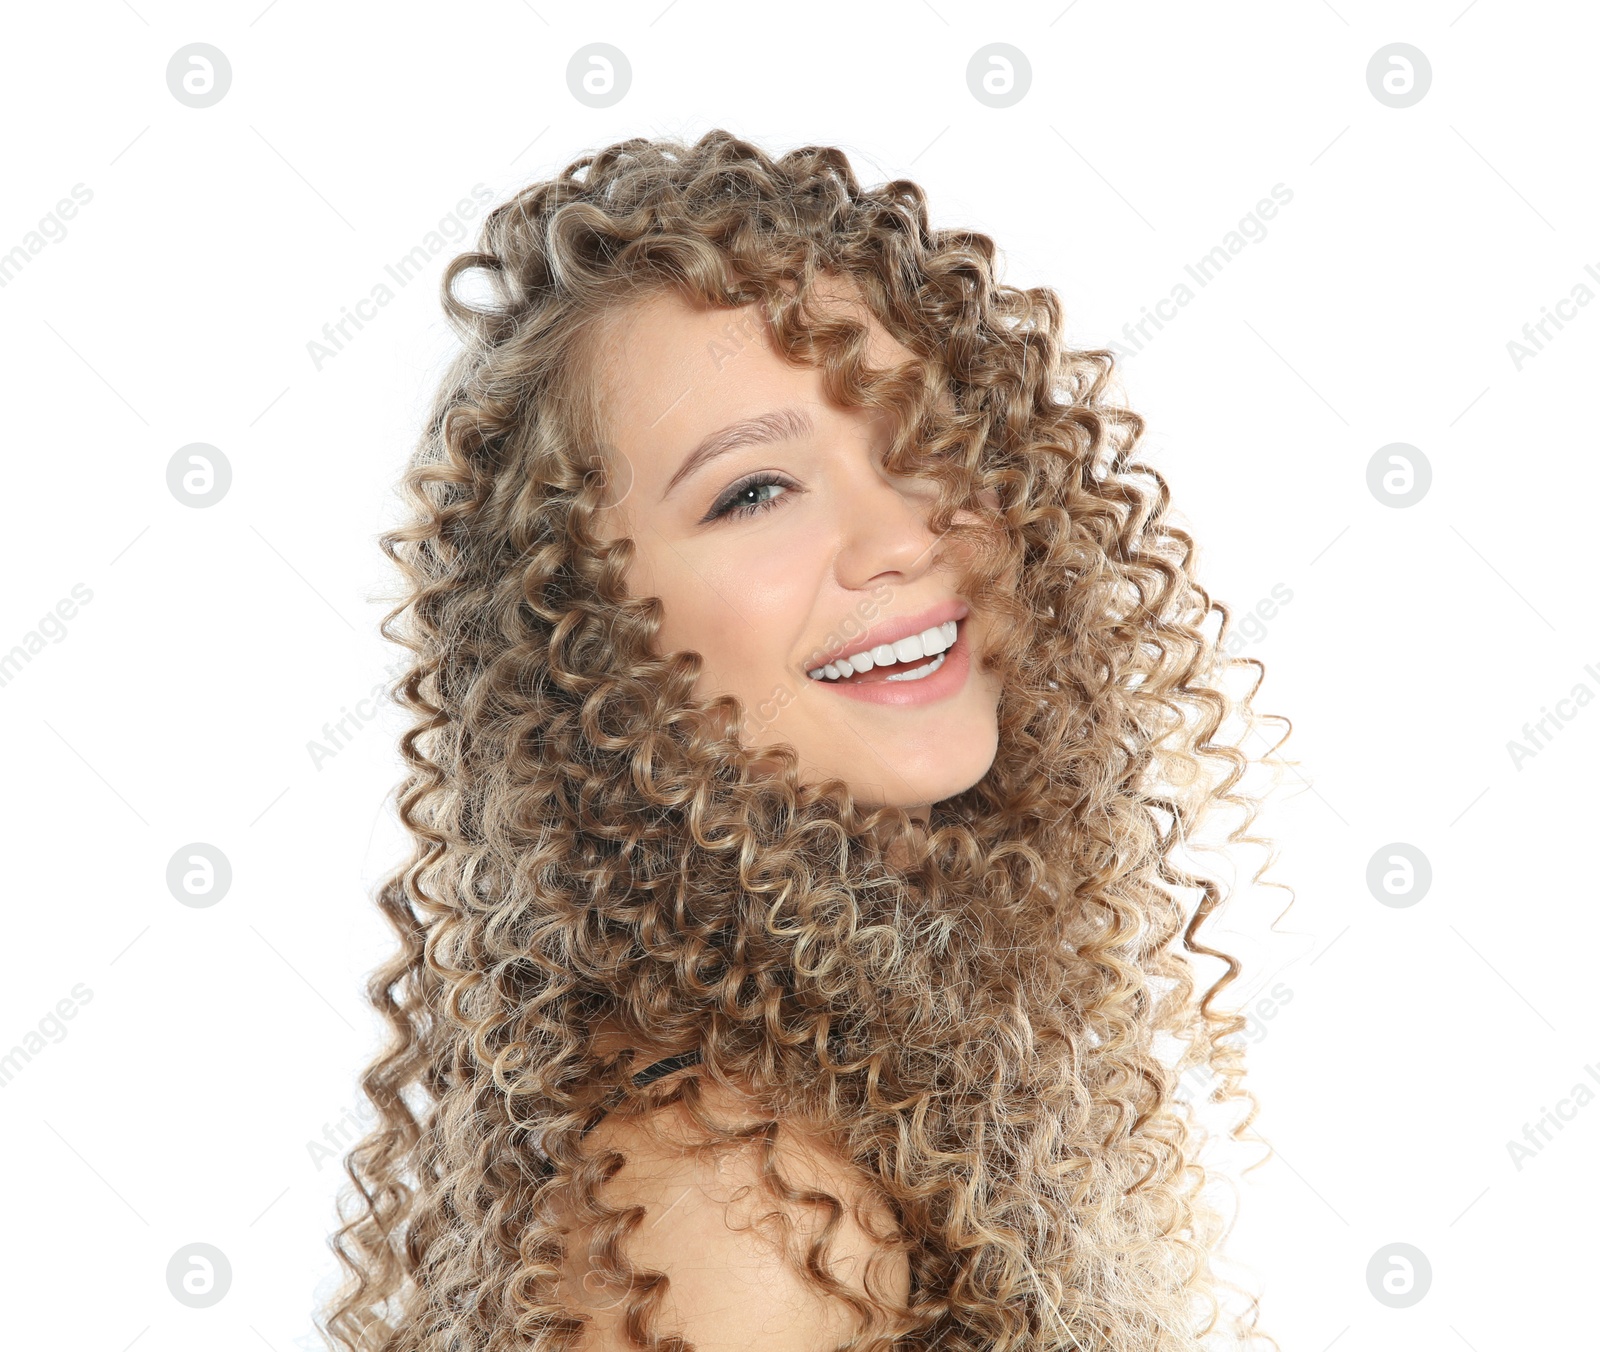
929 643
920 672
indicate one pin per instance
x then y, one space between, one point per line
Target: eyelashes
729 505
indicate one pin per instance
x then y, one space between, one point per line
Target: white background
180 1102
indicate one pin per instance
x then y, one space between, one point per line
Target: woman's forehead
666 362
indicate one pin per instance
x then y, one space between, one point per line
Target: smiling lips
887 642
911 660
906 684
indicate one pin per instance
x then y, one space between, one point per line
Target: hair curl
977 1021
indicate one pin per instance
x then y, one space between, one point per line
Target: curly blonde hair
972 1010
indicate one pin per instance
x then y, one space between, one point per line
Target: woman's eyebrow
780 424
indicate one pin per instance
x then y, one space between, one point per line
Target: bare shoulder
725 1233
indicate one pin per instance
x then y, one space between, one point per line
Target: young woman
811 700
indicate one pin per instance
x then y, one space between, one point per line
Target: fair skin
760 594
834 546
713 1228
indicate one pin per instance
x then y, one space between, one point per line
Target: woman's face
765 522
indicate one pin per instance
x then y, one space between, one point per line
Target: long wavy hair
988 1014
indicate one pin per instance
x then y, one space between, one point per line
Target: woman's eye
745 499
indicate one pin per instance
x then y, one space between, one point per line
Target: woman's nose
885 527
